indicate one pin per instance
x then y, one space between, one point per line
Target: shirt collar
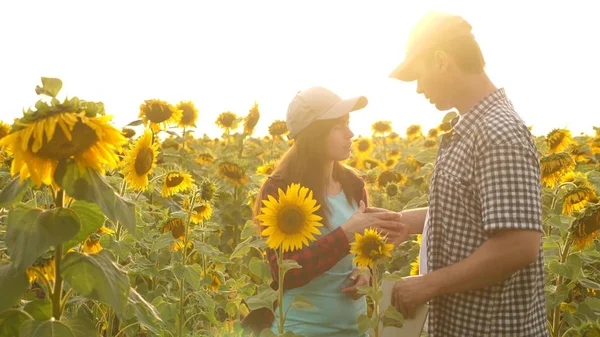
464 124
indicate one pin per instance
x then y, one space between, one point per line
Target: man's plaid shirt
486 178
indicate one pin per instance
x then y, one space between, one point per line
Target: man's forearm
498 258
414 219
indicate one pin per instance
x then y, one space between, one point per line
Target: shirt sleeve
507 177
315 259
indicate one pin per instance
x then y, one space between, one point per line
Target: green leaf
370 291
50 87
13 192
417 202
392 317
249 230
40 310
97 277
562 222
287 265
82 327
555 296
587 283
145 312
364 323
265 298
242 249
13 284
593 303
11 320
91 217
192 274
268 333
164 240
302 302
31 232
260 268
93 187
45 329
426 156
136 122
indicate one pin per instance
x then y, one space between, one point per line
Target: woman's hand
359 277
387 222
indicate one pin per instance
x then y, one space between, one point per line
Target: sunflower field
145 230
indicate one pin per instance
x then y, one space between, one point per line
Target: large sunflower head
177 228
278 128
586 225
558 140
577 198
251 120
227 120
175 182
554 166
208 190
370 249
290 221
45 266
369 163
382 127
205 159
363 146
581 152
390 163
189 114
414 132
389 176
433 133
159 114
201 212
73 129
233 173
140 160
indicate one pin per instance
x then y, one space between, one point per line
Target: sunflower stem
58 253
564 254
376 302
280 289
183 261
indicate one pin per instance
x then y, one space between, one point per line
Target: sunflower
4 129
414 267
414 132
588 329
227 120
128 133
577 198
189 114
381 127
45 266
140 160
370 249
433 133
576 178
290 221
581 153
390 163
363 146
393 136
369 163
586 225
554 166
394 154
251 120
558 140
429 143
267 168
215 283
208 190
175 182
233 173
91 245
159 114
177 229
201 212
595 145
389 176
205 159
392 189
53 133
410 160
278 128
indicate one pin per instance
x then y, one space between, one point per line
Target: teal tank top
337 314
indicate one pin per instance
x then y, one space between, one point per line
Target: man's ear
441 60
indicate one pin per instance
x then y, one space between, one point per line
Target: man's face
436 80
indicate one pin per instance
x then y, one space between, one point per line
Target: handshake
388 223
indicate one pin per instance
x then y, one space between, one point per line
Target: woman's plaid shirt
486 178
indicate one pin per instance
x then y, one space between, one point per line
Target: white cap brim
344 107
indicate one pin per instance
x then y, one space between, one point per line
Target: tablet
411 327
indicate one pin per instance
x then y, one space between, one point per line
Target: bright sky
224 55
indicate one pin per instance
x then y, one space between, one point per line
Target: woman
318 121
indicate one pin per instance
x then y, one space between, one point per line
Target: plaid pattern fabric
315 259
486 178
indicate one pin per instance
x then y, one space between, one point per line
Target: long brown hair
304 163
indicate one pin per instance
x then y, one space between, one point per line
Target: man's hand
411 292
387 222
359 277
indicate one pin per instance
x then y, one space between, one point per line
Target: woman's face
339 140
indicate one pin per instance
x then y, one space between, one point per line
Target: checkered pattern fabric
486 178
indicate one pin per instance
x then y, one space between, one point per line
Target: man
482 249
